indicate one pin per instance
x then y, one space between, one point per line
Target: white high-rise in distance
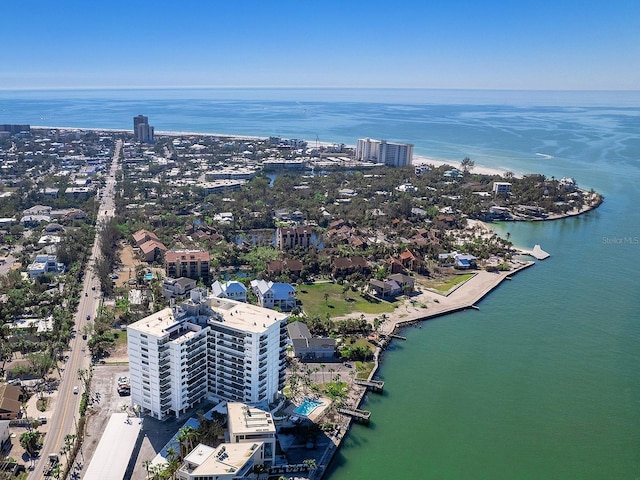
380 151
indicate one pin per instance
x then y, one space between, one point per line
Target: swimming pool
307 407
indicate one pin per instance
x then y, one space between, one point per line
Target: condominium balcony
221 344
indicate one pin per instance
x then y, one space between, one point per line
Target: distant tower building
142 131
381 151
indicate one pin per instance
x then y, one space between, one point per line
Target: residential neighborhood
224 274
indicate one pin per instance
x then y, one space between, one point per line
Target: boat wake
544 155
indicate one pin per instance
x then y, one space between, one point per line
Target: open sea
543 382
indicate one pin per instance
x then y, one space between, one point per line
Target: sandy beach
481 169
417 159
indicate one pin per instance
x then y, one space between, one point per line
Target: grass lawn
445 284
363 370
121 338
313 302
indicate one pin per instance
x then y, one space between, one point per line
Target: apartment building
206 347
142 131
294 237
380 151
188 263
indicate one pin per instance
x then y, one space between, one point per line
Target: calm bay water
543 381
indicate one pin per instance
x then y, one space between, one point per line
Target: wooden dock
373 385
361 416
399 337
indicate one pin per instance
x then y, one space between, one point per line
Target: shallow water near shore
542 381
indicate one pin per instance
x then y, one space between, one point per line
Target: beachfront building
228 461
251 424
380 151
501 188
142 131
206 347
188 263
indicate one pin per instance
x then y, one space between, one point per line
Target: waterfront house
461 261
406 282
308 347
385 288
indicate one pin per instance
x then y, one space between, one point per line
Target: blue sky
542 44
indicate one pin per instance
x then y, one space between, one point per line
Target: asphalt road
65 417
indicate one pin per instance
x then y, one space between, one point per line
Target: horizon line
228 87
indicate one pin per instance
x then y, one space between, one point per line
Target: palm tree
467 164
173 461
186 438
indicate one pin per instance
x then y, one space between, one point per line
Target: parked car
75 390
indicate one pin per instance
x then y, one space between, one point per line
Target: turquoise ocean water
543 381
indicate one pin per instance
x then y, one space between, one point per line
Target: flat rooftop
244 316
228 458
157 324
117 443
244 419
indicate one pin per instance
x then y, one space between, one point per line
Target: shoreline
465 297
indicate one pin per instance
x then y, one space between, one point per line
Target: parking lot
106 400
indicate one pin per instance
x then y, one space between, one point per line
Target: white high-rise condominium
207 347
381 151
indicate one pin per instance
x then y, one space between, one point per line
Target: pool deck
316 404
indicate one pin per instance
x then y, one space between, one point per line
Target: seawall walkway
465 296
